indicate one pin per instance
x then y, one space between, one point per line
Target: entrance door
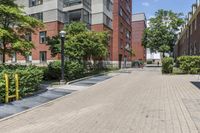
120 61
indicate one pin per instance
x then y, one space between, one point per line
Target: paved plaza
136 101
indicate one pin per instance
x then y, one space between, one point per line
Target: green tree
81 43
162 31
14 28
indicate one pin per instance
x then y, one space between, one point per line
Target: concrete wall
100 12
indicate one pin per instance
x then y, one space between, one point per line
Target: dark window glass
43 37
43 56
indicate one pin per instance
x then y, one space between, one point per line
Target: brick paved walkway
140 102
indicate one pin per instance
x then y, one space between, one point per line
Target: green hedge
73 70
29 79
149 62
189 64
167 65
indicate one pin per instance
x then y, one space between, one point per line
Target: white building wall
99 11
152 56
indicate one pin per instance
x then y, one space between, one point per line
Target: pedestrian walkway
143 101
51 94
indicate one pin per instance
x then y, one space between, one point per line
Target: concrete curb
28 110
77 80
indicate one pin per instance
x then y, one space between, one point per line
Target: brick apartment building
100 15
188 42
138 27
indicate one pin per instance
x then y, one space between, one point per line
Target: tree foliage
162 31
81 43
14 28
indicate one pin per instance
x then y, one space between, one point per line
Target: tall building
113 16
122 12
138 27
188 42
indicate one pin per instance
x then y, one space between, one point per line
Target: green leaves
29 79
189 64
162 31
167 65
14 26
81 43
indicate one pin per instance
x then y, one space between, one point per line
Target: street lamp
62 35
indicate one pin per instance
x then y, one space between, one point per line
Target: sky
149 7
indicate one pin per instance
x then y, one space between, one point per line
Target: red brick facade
121 25
51 29
138 28
188 42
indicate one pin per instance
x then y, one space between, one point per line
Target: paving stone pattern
144 101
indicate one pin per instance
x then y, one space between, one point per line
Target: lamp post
62 35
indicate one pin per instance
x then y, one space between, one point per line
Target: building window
128 34
43 56
87 3
35 2
38 16
67 3
28 37
120 12
43 37
14 57
128 6
29 58
107 21
108 4
77 16
86 16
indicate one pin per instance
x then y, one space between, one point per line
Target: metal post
62 61
6 88
17 86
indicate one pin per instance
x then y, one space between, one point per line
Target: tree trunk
163 54
4 52
3 57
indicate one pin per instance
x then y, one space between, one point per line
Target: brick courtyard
143 101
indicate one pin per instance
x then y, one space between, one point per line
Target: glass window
28 37
35 2
43 37
86 16
43 56
67 3
29 58
14 57
75 16
38 16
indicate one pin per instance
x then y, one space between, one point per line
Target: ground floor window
43 56
29 58
14 57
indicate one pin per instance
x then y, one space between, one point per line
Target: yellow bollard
17 86
7 88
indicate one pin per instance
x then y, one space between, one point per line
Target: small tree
81 43
14 28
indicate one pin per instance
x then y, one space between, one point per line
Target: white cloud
145 4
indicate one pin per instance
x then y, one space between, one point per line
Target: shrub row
73 70
189 64
29 79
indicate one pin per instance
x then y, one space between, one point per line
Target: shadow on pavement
197 84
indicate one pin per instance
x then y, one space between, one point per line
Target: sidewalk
51 94
144 101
